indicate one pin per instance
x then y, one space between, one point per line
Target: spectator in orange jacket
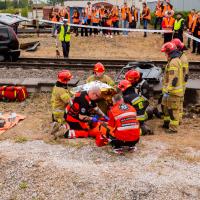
168 24
146 17
190 19
125 12
76 20
158 14
134 15
115 18
196 33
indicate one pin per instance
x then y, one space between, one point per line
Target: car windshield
4 35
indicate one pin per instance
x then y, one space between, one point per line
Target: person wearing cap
173 89
60 97
64 37
99 75
179 27
168 25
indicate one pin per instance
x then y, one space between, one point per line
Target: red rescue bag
13 93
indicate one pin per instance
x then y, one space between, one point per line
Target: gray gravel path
36 170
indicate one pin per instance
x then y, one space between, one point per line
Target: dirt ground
135 46
36 167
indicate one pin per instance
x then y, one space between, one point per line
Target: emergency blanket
9 124
87 86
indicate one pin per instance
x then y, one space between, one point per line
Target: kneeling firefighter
61 96
140 103
173 88
138 84
124 128
81 114
99 75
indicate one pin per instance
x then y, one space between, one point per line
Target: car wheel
2 58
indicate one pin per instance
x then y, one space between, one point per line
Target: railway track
40 74
79 64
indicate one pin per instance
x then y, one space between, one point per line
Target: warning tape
192 37
110 28
114 29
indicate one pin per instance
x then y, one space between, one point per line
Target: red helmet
64 76
123 85
133 76
168 47
99 68
178 43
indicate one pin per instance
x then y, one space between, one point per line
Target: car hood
9 19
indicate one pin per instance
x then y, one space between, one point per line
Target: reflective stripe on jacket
123 120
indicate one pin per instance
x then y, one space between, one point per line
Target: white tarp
9 19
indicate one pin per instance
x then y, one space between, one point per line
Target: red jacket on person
123 121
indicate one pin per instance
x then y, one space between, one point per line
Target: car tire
2 58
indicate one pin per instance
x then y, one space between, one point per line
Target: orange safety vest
166 8
191 19
168 23
115 14
123 120
88 11
194 25
95 17
158 12
125 11
147 13
109 21
135 14
75 18
54 19
102 13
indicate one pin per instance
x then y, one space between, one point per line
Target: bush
153 17
24 12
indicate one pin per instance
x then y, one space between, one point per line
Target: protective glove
95 119
106 118
165 95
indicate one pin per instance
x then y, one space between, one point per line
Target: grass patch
23 185
21 139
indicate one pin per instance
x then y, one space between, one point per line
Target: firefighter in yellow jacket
185 64
99 75
61 96
172 87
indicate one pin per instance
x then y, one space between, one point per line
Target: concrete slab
10 81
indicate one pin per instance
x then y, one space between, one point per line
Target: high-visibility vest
168 23
88 11
115 14
158 12
75 18
54 19
191 19
194 25
166 8
125 11
95 17
177 24
102 13
63 36
146 11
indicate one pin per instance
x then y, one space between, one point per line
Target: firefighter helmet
124 85
168 47
178 43
99 68
64 76
133 76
